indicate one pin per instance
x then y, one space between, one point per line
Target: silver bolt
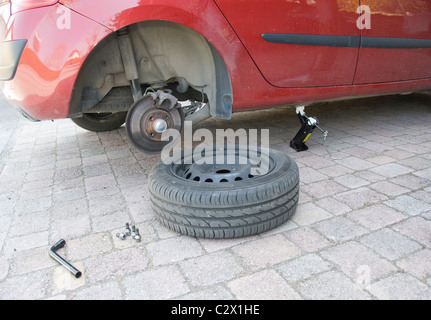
122 236
128 231
137 236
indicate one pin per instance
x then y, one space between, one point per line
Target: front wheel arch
164 51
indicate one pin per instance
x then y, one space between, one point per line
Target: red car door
298 43
397 44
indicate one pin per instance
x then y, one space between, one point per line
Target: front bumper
10 54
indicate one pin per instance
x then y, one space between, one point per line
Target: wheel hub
148 119
159 125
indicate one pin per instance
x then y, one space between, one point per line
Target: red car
104 63
95 61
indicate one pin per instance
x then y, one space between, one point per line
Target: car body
63 59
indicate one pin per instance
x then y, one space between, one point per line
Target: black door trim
347 41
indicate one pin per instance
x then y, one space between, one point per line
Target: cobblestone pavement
361 231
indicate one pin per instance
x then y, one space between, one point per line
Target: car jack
308 126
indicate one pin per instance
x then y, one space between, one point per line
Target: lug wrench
52 252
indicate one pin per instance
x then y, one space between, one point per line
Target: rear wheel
224 201
103 121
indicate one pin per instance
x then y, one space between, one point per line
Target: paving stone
331 285
355 163
417 264
88 246
333 206
214 293
100 182
4 267
116 264
369 176
303 267
359 153
422 195
104 205
410 181
307 239
414 149
416 228
26 242
109 221
339 229
360 197
263 285
400 287
63 280
25 262
381 159
389 189
425 173
335 170
159 284
266 252
213 245
351 181
309 175
105 291
417 163
391 170
27 224
174 249
408 204
35 286
70 227
323 188
315 162
211 269
309 213
398 154
376 216
353 258
390 244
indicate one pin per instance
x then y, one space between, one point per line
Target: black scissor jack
307 128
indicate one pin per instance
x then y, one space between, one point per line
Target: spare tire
224 201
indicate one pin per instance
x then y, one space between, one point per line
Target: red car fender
203 17
51 66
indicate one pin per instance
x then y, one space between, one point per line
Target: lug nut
128 231
121 235
137 236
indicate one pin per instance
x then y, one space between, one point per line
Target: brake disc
150 117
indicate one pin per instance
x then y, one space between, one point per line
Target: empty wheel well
164 52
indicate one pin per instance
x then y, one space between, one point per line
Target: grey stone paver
400 287
263 285
332 285
418 264
390 244
361 230
376 216
303 267
352 256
